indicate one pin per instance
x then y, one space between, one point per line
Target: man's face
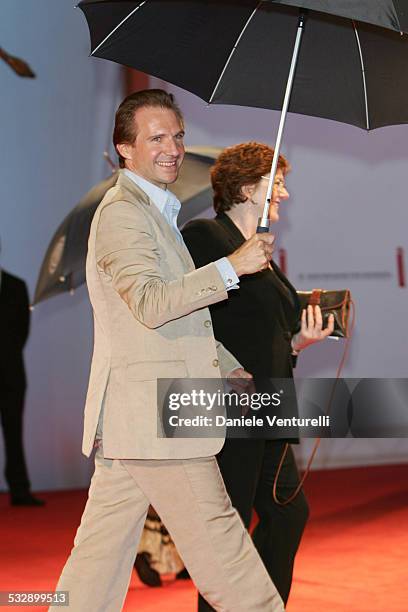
158 150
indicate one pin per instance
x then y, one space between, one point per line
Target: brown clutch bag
330 301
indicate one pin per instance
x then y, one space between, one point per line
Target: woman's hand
311 328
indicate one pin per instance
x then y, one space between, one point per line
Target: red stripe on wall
283 260
401 267
135 80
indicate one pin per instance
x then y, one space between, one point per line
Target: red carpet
354 555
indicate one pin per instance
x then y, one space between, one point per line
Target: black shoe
183 575
26 499
147 574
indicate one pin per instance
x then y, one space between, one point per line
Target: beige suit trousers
191 499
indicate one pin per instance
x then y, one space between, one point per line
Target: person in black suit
14 329
259 325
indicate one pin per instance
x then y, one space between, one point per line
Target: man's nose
172 147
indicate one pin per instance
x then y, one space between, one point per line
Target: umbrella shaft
264 223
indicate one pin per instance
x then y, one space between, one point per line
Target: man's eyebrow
155 135
160 135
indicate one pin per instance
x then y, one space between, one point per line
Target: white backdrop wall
347 214
54 131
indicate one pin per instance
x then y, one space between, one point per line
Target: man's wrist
235 265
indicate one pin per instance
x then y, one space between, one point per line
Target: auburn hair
239 165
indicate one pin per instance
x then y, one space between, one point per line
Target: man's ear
124 149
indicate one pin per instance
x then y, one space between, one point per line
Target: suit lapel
139 196
286 288
231 232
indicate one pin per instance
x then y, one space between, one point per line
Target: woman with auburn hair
259 324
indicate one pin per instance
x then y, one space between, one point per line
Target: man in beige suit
151 321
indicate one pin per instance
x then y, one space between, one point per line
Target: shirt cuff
226 269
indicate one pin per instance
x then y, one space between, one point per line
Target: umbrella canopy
390 14
63 267
239 51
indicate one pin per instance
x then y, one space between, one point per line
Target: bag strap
318 440
314 299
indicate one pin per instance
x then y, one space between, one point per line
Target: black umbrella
390 14
240 51
63 267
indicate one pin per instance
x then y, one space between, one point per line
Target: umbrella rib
118 26
363 75
233 51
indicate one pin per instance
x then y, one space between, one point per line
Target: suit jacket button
215 363
207 323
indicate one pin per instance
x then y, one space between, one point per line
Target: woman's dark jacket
257 321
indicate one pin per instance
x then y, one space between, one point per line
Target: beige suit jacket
150 321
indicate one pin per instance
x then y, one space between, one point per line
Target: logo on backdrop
376 275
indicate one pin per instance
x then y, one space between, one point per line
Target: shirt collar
162 198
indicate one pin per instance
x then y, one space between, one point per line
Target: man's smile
167 164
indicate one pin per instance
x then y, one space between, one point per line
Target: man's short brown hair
239 165
124 131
